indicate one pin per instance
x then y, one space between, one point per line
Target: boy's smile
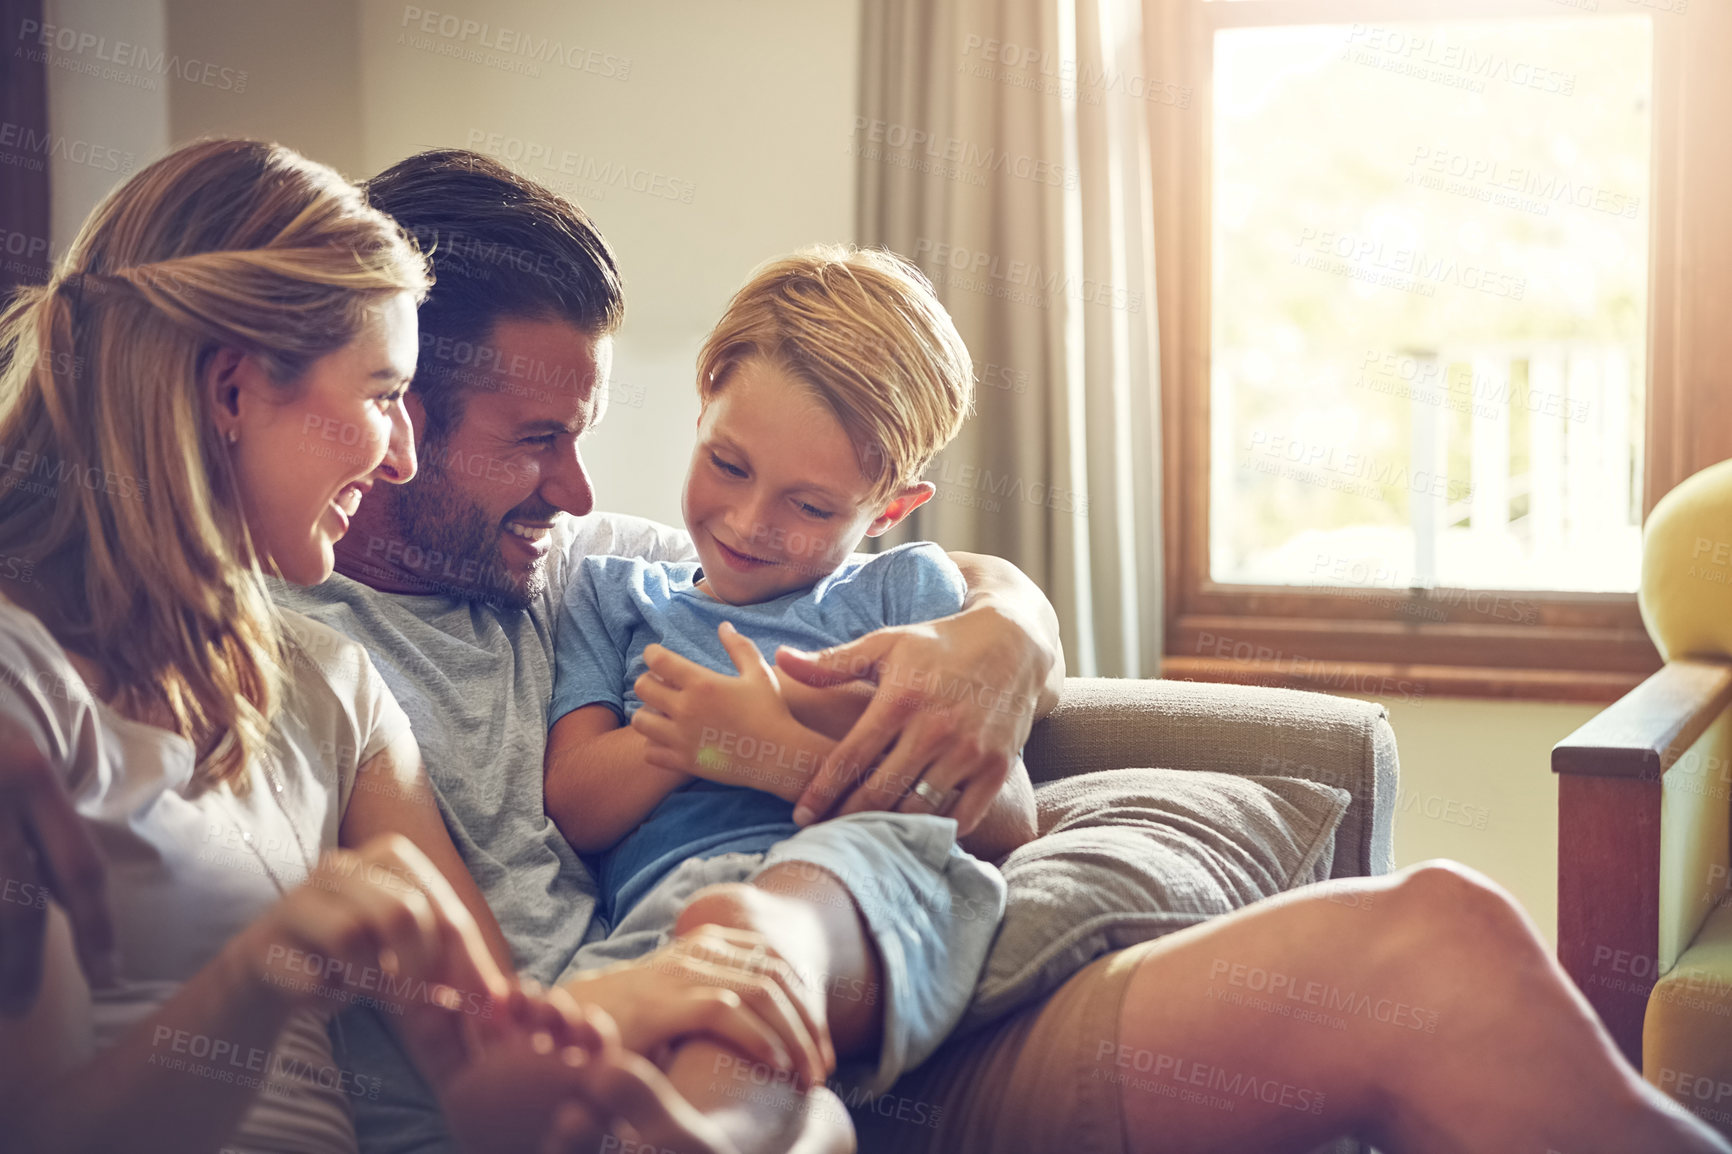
745 563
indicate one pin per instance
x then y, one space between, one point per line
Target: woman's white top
189 868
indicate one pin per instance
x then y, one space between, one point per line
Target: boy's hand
730 730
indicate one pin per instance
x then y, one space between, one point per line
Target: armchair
1644 798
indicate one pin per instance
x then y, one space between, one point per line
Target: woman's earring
234 436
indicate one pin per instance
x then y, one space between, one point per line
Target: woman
204 395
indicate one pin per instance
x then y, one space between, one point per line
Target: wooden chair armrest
1609 800
1644 732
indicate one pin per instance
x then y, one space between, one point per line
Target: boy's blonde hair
864 330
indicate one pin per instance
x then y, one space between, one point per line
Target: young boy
826 388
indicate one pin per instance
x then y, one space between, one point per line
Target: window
1423 335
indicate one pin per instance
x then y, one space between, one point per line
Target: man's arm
730 729
1010 822
1007 601
997 586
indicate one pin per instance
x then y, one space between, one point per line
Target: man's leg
1424 1007
1420 1012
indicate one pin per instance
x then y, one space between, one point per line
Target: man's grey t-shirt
476 682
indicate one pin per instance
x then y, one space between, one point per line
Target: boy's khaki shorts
1037 1082
931 910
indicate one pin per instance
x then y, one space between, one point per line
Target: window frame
1481 643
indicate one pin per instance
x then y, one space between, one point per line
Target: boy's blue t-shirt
616 607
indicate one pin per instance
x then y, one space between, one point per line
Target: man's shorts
931 908
1033 1083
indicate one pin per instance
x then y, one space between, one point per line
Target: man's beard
435 515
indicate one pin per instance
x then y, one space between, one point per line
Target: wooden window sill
1411 684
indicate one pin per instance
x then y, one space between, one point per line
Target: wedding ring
939 799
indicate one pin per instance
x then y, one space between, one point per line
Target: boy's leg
760 1111
756 1106
813 921
810 920
886 918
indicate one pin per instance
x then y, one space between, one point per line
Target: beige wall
1477 786
108 116
153 74
303 83
734 118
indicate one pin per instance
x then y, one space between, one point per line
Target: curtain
24 236
1002 146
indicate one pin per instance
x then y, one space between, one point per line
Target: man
451 582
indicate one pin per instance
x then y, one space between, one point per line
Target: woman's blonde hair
115 485
864 330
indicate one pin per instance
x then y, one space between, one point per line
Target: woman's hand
730 730
559 1079
45 850
381 924
725 983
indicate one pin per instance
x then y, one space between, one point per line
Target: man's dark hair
501 246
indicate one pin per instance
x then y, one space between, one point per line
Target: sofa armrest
1113 723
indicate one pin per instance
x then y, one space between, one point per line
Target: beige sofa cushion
1131 854
1111 723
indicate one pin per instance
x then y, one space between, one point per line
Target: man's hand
956 699
730 730
44 849
718 981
